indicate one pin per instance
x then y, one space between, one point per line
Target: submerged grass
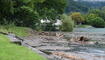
9 51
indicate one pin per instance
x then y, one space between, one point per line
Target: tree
20 12
29 12
90 16
31 3
25 14
6 10
77 17
28 18
67 23
100 13
51 10
95 21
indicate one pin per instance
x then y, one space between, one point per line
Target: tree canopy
30 12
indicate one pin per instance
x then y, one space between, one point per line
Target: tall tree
77 17
51 10
100 13
29 12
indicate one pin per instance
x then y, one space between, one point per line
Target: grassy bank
9 51
19 31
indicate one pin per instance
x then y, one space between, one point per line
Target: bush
95 21
67 23
77 17
98 22
28 18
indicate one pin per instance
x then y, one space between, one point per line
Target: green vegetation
94 17
74 6
83 6
67 23
81 12
9 51
28 13
95 21
19 31
77 17
98 12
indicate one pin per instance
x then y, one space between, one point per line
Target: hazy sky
92 0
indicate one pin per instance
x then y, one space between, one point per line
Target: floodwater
89 29
86 52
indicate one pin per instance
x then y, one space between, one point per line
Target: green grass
9 51
19 31
83 26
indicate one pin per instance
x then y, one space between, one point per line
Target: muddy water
89 29
89 49
82 53
79 51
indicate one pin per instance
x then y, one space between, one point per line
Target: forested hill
83 6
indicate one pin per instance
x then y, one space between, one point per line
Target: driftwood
81 39
51 34
47 33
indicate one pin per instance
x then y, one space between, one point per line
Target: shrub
98 22
95 21
67 23
77 17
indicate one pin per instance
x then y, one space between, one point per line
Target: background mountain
84 5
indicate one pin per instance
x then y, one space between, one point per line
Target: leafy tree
51 10
90 16
94 20
77 17
67 23
100 13
25 14
30 12
6 10
28 18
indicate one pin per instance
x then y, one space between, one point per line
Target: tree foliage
67 23
51 9
100 13
94 20
30 12
77 17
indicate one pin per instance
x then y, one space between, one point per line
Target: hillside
83 6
